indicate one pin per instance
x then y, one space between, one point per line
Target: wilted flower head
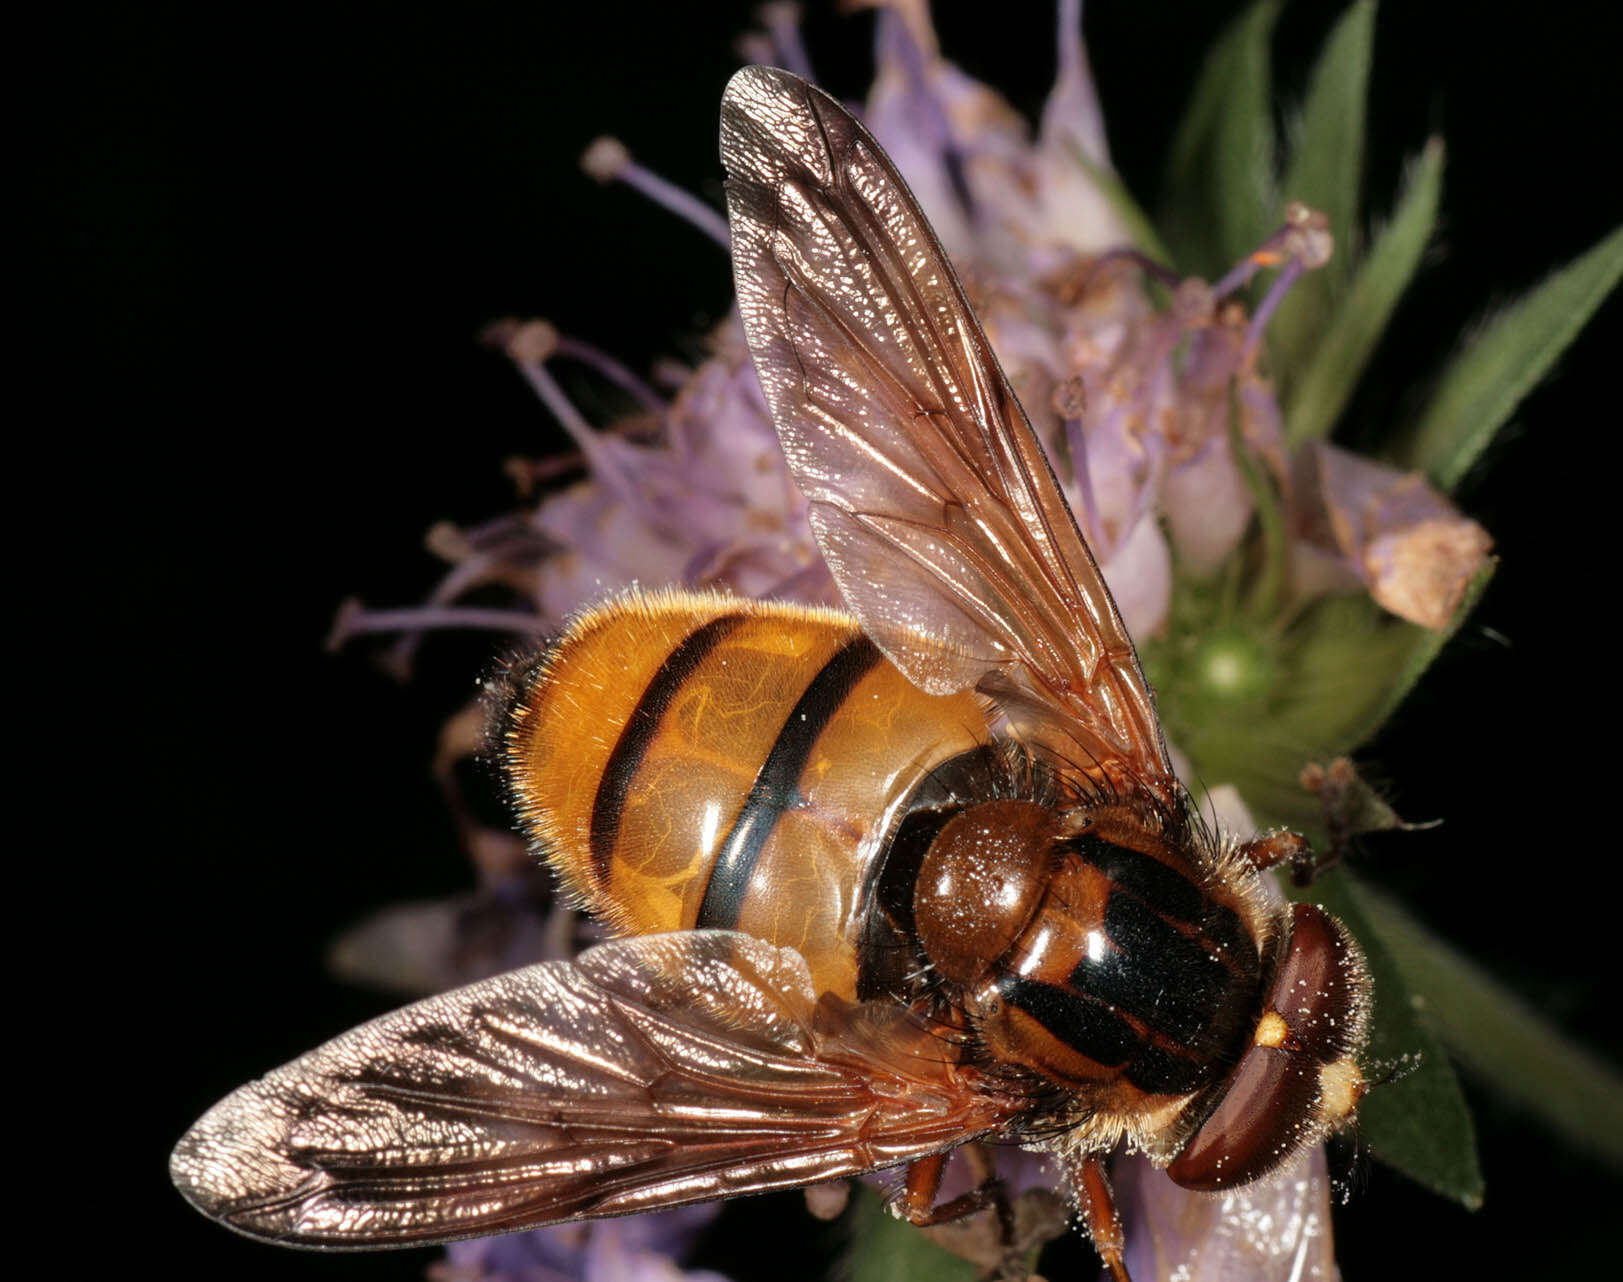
1246 553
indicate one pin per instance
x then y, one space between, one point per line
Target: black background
283 231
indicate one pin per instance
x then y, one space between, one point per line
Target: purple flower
1276 1230
636 1248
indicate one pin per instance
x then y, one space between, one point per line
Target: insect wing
652 1071
932 500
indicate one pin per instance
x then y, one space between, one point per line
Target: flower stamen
354 620
609 160
1305 238
530 346
782 22
1265 310
621 375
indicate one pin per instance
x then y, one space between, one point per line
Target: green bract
1251 693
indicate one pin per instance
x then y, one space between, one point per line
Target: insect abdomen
693 761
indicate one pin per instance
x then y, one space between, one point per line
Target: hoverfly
883 881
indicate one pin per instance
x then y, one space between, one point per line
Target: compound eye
1299 1077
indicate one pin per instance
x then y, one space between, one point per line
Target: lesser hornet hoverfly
882 882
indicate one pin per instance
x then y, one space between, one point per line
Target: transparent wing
932 500
650 1072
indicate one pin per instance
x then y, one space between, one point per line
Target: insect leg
982 1167
924 1182
1287 847
1098 1207
1350 807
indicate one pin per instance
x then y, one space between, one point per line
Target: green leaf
1220 195
885 1249
1418 1121
1326 171
1321 389
1482 387
1495 1034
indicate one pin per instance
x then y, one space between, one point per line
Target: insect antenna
1351 1165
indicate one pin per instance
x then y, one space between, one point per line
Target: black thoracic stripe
1163 1072
777 783
1087 1026
638 732
1161 976
1151 880
1225 929
1175 897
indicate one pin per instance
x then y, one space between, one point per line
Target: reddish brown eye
1297 1078
979 884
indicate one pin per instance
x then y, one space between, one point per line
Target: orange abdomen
692 761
